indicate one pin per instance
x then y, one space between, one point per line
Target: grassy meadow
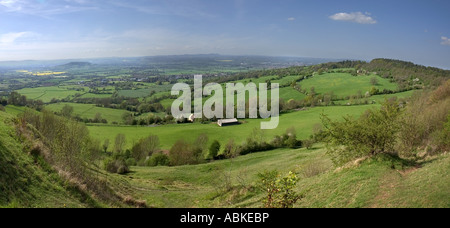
89 111
303 121
46 94
377 182
344 84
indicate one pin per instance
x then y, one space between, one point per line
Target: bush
279 190
214 149
314 169
183 153
145 147
118 166
288 140
158 159
423 123
373 133
230 149
131 162
308 144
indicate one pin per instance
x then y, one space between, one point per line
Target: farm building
191 118
227 122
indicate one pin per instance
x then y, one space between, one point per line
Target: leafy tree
127 118
308 144
374 81
201 142
181 154
98 117
145 147
230 150
374 91
320 71
158 159
214 149
105 145
67 111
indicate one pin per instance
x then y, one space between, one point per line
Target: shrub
280 190
308 144
373 133
131 162
158 159
288 140
214 149
314 169
145 147
119 143
423 123
118 166
182 153
374 81
230 150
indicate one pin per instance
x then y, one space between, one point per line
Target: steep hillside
383 181
27 181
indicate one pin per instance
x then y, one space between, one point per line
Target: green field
89 111
288 93
145 92
46 94
343 84
14 110
380 98
92 95
303 121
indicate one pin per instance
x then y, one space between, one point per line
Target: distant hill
76 64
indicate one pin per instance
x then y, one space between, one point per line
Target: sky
411 30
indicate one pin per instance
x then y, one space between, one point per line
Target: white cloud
445 41
291 19
9 38
356 17
46 8
11 5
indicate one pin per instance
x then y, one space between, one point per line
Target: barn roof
226 121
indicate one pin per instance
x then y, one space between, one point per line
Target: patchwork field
46 94
89 111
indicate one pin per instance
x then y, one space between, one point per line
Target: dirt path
388 186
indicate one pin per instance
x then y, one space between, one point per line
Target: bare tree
119 143
374 81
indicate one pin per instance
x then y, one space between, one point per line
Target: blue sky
417 31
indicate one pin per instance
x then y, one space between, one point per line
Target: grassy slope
14 110
26 183
343 84
369 185
89 111
380 98
169 134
